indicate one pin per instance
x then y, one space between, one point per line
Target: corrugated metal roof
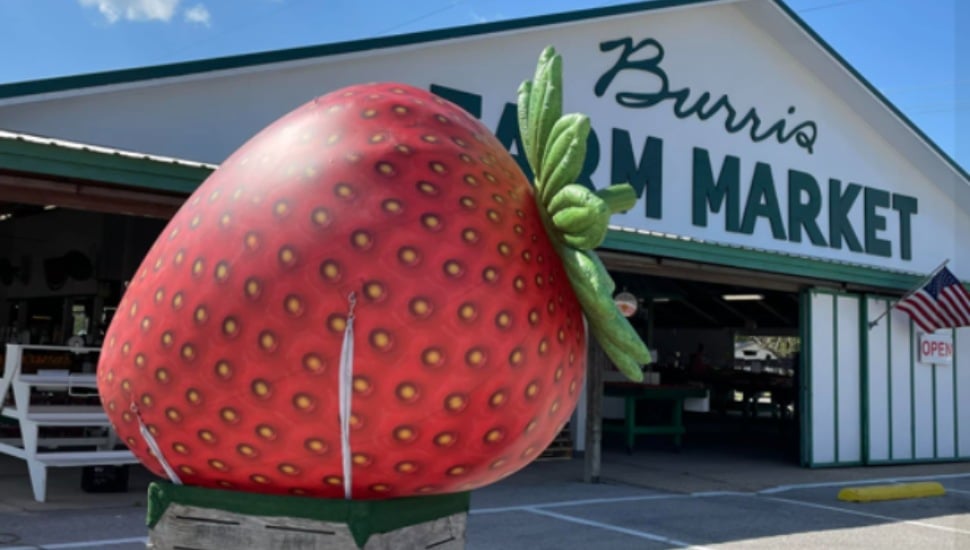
63 159
76 146
745 257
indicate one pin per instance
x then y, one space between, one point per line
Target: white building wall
961 375
822 380
916 411
945 434
835 415
848 374
914 408
922 397
879 367
900 391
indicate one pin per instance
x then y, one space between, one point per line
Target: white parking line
615 529
568 503
704 494
613 500
85 544
870 515
709 494
961 491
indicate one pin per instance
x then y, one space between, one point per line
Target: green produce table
632 393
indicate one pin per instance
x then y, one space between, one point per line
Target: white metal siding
914 409
835 379
923 407
878 364
945 419
962 373
848 373
902 412
822 390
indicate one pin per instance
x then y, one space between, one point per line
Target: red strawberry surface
469 344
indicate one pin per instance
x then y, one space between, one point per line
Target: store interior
62 271
739 342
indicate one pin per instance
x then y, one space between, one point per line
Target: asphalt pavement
650 499
620 516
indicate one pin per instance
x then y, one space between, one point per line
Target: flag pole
927 279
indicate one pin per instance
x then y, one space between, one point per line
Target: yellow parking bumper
892 492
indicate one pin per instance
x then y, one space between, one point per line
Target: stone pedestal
195 518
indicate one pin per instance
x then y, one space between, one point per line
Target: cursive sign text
651 54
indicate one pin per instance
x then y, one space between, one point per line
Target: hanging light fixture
626 302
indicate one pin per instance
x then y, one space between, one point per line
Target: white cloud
134 10
198 14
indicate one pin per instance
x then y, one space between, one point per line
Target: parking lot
648 500
617 516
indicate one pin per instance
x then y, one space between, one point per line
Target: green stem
555 147
619 197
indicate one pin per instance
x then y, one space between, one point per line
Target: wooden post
595 363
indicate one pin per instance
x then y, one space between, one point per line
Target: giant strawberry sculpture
369 300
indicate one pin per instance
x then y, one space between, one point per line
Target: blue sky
916 52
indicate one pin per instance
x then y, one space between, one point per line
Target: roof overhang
36 170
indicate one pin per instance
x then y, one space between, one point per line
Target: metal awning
43 171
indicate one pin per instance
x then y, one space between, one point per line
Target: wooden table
632 393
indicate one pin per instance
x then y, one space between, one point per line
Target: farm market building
784 202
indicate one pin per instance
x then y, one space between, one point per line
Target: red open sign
936 348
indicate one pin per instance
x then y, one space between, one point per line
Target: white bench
38 450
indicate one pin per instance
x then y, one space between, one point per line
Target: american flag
940 303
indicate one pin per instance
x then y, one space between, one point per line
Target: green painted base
363 517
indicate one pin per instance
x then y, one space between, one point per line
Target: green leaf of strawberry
575 217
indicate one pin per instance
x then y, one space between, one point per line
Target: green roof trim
56 158
65 83
758 260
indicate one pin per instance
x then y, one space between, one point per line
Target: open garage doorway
737 337
63 269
